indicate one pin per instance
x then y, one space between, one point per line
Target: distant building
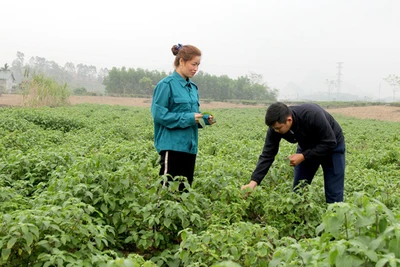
7 81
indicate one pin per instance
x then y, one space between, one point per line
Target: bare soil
385 113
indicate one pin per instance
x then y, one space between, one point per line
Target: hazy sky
287 41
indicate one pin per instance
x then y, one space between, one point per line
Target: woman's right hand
198 116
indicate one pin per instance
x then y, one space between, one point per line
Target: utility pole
339 74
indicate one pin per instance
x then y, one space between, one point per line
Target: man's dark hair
277 112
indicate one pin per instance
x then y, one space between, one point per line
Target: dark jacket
314 129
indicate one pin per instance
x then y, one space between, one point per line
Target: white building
6 81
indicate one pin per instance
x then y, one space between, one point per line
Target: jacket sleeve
326 139
205 120
205 117
267 157
161 112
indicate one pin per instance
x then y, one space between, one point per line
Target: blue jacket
175 100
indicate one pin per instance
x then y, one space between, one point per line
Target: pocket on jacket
181 105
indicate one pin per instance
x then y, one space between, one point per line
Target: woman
176 115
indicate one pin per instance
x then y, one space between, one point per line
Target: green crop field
79 186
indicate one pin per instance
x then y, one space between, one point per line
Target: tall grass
43 91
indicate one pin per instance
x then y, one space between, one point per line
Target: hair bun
175 49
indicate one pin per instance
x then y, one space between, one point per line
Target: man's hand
249 187
296 159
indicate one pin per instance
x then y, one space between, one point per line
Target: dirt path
386 113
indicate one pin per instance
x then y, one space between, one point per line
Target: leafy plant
42 91
79 186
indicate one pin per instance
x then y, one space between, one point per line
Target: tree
113 82
5 68
394 82
331 84
225 88
242 88
146 85
70 68
38 64
103 72
255 78
92 72
82 71
80 91
141 82
17 67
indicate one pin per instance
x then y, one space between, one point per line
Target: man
320 143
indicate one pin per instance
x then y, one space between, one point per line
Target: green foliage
79 186
139 82
299 213
222 243
80 91
79 75
132 81
223 88
51 234
226 264
42 91
360 233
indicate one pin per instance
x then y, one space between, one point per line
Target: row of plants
80 187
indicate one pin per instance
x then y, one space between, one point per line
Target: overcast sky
286 41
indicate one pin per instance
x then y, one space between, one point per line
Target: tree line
141 83
86 79
75 76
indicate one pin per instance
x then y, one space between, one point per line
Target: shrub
80 91
42 91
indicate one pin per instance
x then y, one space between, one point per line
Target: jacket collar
295 125
183 82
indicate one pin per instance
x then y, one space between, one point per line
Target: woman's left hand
211 119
